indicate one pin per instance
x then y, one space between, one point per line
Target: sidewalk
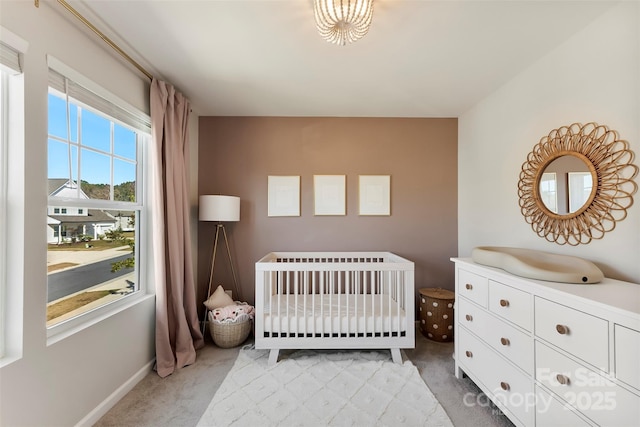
86 256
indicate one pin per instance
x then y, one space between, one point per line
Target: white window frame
68 327
549 196
12 49
4 136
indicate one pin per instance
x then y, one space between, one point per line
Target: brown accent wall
237 154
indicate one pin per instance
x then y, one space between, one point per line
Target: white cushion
218 299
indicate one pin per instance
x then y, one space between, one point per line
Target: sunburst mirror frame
610 162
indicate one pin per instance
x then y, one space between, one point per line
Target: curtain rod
100 34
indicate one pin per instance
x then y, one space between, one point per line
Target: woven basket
227 335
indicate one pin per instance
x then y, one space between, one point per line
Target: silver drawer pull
468 317
562 329
504 341
504 303
468 353
469 286
505 386
562 379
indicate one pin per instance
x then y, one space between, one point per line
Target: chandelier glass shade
343 21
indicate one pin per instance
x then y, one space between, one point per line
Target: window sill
8 360
68 328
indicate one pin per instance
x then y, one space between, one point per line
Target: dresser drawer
593 395
511 304
504 383
512 343
627 367
551 412
581 334
473 286
472 317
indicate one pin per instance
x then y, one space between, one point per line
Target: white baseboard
92 417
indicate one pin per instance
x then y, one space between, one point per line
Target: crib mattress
334 314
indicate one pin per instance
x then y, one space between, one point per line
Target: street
76 279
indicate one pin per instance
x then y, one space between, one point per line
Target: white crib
334 300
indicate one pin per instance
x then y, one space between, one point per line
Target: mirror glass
566 185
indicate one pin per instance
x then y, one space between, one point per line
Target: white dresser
546 353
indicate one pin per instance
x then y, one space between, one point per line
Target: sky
96 152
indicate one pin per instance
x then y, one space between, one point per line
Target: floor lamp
220 209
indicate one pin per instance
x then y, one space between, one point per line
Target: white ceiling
421 58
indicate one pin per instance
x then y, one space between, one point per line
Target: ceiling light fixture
342 21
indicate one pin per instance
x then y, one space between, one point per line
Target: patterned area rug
323 388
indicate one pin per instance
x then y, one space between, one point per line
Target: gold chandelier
342 21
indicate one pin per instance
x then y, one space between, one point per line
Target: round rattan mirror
601 193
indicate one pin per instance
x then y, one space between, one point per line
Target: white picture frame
374 195
329 195
283 195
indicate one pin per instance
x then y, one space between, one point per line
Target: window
549 191
95 147
11 85
3 198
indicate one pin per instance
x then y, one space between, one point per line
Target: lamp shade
219 208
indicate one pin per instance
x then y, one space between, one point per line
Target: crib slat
347 278
398 299
322 280
340 290
330 289
313 303
272 307
305 293
279 292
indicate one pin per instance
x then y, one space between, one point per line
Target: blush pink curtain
178 334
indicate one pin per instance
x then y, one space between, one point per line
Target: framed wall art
283 195
329 194
375 194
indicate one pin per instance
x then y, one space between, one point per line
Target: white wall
61 383
593 76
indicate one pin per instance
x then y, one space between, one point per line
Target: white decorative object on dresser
549 353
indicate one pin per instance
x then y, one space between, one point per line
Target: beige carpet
328 388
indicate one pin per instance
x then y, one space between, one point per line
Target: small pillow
218 299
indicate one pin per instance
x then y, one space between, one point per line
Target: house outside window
94 169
